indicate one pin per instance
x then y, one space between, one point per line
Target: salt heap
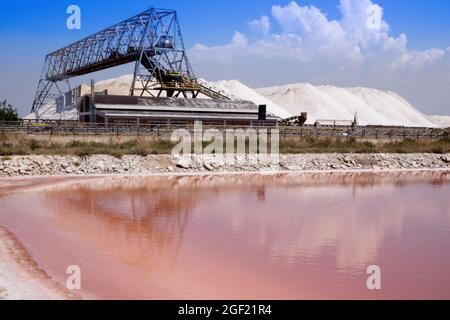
116 86
373 107
243 92
50 112
440 121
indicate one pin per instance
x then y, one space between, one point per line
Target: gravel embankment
154 164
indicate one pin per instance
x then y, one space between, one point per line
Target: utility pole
91 108
4 105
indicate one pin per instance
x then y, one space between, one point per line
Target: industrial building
164 87
109 109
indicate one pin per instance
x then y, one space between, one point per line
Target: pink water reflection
242 237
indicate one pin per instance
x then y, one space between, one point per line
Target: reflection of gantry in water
152 40
150 223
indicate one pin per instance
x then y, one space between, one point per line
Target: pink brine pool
287 236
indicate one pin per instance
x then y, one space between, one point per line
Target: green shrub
8 113
34 144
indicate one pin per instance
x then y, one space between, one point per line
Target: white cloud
239 40
356 49
359 35
325 37
307 21
262 25
420 59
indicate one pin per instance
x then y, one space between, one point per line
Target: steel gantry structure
151 39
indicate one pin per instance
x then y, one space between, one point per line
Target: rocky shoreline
166 164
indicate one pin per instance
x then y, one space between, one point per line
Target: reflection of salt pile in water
374 107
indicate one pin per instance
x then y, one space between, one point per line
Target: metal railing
165 128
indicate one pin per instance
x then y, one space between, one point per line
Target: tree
8 112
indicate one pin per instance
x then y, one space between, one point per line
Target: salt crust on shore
21 278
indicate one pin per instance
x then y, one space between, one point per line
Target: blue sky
30 29
426 22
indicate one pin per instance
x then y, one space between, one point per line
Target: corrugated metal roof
130 107
137 103
182 115
177 108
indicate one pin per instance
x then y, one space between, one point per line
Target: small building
334 123
112 109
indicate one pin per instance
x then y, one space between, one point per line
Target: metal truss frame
151 39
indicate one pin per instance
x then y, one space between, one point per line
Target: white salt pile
243 92
373 107
50 112
440 121
116 86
